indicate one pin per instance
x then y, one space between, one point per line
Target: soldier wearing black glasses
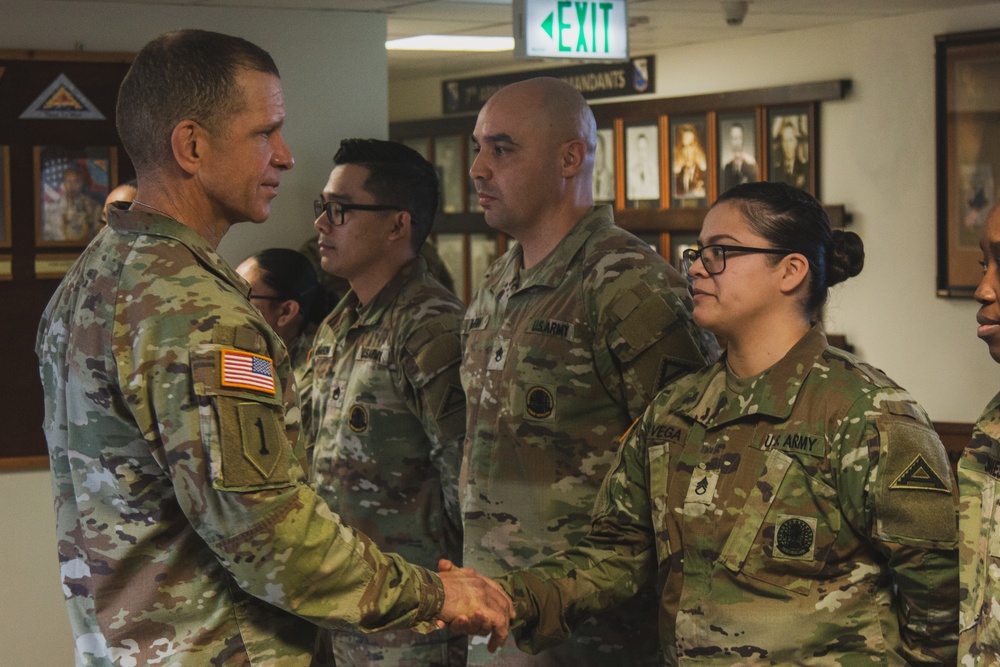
385 402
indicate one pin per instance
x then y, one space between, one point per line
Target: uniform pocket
658 460
786 529
980 545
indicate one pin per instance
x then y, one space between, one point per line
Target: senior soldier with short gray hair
186 531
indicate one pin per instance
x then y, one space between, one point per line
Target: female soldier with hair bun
285 289
793 502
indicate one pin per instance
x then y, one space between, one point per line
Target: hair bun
847 257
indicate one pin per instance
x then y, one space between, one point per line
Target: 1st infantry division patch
919 476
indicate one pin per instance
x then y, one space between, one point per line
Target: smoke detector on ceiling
735 11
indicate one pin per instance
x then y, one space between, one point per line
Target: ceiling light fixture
450 43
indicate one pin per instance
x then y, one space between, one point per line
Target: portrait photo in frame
70 189
448 157
5 233
451 250
474 206
738 162
968 153
604 166
678 244
642 165
791 148
688 161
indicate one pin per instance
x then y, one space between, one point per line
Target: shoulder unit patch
919 476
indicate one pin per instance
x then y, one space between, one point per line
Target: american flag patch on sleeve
246 370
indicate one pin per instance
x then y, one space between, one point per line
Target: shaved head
554 104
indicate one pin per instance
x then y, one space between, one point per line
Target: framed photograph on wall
482 252
448 158
70 189
737 150
642 166
474 206
688 161
5 232
419 144
792 147
678 244
604 166
451 249
968 153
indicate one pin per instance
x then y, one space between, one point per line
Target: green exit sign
577 29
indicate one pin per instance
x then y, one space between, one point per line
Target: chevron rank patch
919 476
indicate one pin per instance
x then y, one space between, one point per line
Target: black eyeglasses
713 257
266 298
335 210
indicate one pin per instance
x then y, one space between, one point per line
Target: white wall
877 158
334 72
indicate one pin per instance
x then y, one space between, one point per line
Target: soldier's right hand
474 604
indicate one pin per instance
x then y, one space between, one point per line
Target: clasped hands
474 604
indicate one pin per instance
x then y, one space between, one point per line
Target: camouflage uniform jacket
979 524
186 531
557 364
389 416
802 516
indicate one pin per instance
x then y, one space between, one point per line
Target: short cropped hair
183 75
397 176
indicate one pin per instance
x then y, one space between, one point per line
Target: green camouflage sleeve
431 363
604 569
229 454
895 486
647 338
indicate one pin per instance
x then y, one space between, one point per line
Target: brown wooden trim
643 110
13 463
68 56
740 99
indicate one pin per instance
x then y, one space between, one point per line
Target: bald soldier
978 475
187 533
573 332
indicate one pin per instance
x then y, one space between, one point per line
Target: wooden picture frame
471 153
70 189
737 158
448 158
604 166
679 242
642 165
5 226
968 153
689 176
792 146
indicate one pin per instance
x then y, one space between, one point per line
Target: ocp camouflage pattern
388 412
806 515
979 546
559 360
187 533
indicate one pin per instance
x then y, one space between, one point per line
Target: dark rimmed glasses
336 210
713 257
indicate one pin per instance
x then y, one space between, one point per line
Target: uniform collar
135 223
372 312
772 393
553 269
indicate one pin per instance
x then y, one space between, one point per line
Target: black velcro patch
454 400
